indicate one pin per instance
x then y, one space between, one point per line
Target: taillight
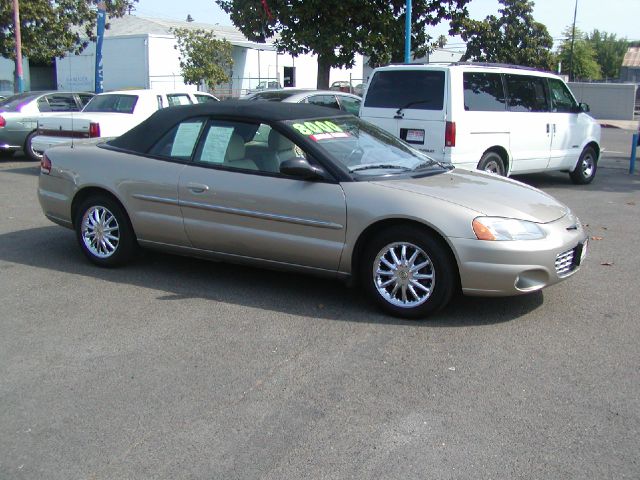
3 122
450 134
94 130
45 164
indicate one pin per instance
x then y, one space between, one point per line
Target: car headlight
497 228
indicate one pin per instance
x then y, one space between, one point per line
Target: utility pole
573 39
407 34
19 85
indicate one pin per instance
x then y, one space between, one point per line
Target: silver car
323 98
305 188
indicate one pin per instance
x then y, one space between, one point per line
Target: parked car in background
323 98
358 89
505 120
341 86
19 116
310 189
266 85
108 115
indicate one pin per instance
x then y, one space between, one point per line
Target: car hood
485 193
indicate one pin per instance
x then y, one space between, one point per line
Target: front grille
565 263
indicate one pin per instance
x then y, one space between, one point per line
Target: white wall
607 101
76 73
164 65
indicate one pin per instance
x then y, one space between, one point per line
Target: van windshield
397 89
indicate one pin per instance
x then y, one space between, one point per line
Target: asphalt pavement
179 368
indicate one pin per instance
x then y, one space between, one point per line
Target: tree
609 52
585 65
514 37
203 56
336 30
53 28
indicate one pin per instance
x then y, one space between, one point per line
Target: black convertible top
145 135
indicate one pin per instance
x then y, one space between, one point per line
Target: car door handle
548 128
197 187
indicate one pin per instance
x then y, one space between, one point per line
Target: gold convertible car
307 188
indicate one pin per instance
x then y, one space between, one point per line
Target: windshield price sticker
312 128
327 136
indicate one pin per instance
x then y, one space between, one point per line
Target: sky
621 17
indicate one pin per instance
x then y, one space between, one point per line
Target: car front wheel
586 167
408 273
104 232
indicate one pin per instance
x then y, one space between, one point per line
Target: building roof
632 57
135 25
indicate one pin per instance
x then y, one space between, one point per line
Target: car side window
84 98
245 146
562 100
527 93
204 98
483 92
179 142
178 99
324 101
350 105
62 102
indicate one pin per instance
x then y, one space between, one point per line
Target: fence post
632 160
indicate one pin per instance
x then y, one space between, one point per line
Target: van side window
561 99
483 92
417 89
527 93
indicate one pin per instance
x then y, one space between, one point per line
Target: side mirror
300 168
584 107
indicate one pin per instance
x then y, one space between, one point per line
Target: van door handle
197 187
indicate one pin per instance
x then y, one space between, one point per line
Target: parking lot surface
180 368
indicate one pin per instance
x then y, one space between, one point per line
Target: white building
139 53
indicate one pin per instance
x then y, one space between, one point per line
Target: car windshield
271 96
16 102
112 103
362 148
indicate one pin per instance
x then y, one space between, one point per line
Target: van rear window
483 92
418 89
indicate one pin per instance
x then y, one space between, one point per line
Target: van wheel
492 162
586 167
407 272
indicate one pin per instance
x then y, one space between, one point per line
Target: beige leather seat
280 149
235 155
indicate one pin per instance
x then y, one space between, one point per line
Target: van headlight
497 228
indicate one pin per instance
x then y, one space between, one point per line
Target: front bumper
504 268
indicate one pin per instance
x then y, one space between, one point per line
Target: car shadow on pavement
55 248
32 170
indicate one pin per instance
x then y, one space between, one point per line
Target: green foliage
203 56
609 52
514 37
53 28
336 30
585 64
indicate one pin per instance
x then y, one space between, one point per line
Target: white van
506 120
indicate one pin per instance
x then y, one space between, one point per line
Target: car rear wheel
492 162
408 273
28 148
104 232
586 167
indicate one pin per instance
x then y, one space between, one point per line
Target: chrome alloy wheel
100 232
587 165
403 275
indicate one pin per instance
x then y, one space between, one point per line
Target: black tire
111 253
492 162
28 149
442 268
586 167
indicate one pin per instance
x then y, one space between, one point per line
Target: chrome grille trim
564 263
